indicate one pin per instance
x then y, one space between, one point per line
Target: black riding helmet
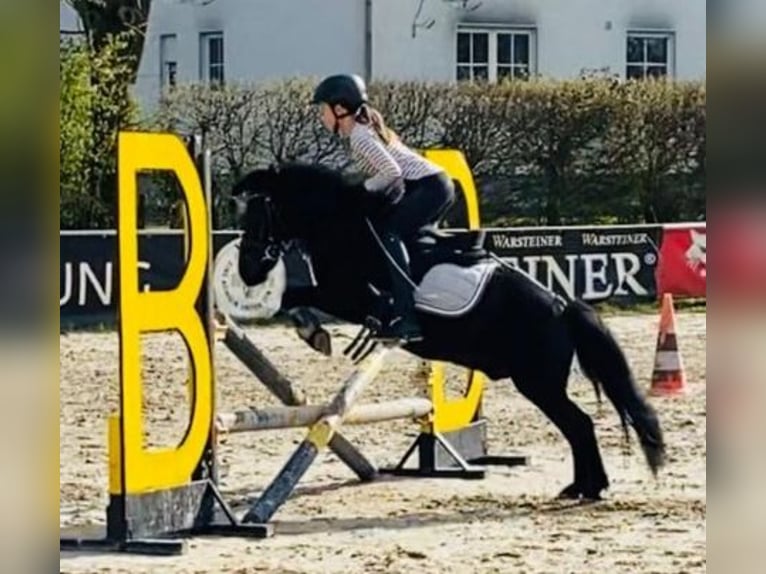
347 90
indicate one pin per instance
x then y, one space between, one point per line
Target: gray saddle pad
451 291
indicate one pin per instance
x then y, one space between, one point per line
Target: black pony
518 329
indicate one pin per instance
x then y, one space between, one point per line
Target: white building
436 40
69 23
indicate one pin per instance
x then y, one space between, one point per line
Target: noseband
274 247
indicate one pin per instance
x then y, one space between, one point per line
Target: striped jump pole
318 437
237 341
273 418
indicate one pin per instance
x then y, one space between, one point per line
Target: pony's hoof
585 498
577 492
321 342
571 492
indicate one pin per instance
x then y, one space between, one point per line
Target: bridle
275 247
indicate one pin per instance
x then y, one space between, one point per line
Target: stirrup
390 333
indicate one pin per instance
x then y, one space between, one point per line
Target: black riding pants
424 203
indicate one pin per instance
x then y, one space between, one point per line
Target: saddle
452 270
434 246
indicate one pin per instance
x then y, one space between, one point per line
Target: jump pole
317 438
273 418
237 341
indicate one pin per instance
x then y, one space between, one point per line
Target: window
168 62
492 55
211 57
649 54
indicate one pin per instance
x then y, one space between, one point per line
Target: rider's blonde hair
370 116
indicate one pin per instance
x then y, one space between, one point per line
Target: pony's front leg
296 303
309 328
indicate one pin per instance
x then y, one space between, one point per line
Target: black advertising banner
88 271
592 263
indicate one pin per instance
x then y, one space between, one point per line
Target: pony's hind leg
577 427
590 475
544 383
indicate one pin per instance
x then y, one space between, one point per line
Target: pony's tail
604 363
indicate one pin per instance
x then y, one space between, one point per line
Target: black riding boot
405 325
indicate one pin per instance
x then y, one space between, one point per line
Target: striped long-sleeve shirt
386 165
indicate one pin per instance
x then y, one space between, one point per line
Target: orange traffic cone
668 377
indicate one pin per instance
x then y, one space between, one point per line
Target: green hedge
94 106
542 151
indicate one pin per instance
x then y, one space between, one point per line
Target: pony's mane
312 170
307 179
315 192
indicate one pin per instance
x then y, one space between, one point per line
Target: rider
412 191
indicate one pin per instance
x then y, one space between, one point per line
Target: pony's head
283 203
260 248
257 182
